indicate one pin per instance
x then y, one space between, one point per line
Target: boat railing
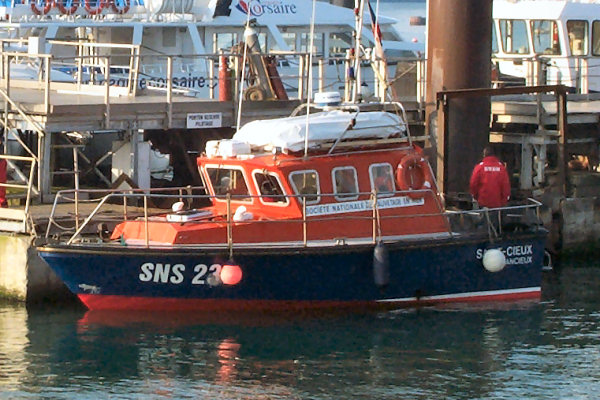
576 71
139 204
19 220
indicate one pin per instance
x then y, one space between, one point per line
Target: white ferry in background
548 42
194 31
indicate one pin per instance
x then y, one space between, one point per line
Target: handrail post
146 228
6 75
79 65
347 76
229 226
300 76
211 78
47 84
321 75
29 184
374 205
124 208
304 227
107 92
169 91
76 178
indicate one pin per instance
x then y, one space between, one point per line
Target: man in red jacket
489 184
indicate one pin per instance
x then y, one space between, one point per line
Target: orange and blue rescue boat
335 209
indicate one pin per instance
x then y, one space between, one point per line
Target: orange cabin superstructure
275 198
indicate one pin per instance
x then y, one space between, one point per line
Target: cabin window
545 37
596 38
578 37
345 183
306 183
269 188
228 180
514 36
382 179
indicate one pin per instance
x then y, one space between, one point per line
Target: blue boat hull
420 272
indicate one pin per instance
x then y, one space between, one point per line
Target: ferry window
169 37
494 40
339 43
596 38
225 41
269 188
290 40
514 36
306 183
345 184
545 37
578 37
382 178
228 180
317 43
263 41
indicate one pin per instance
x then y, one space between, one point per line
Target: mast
358 12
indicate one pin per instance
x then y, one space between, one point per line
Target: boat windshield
269 188
226 180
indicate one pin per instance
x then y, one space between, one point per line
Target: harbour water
541 350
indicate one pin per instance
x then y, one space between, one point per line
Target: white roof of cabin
324 127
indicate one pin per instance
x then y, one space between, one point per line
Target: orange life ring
120 9
47 6
94 10
413 175
62 6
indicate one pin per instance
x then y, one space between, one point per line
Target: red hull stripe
103 302
492 295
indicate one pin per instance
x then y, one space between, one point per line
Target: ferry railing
376 219
195 74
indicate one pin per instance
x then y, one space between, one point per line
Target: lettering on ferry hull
256 8
361 205
190 82
515 255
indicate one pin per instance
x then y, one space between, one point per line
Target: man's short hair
488 151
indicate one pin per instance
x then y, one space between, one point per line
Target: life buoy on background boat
94 7
413 175
120 6
41 7
64 8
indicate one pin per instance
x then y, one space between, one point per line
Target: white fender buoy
178 206
381 265
494 260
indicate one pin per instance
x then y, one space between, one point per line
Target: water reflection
544 350
13 345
